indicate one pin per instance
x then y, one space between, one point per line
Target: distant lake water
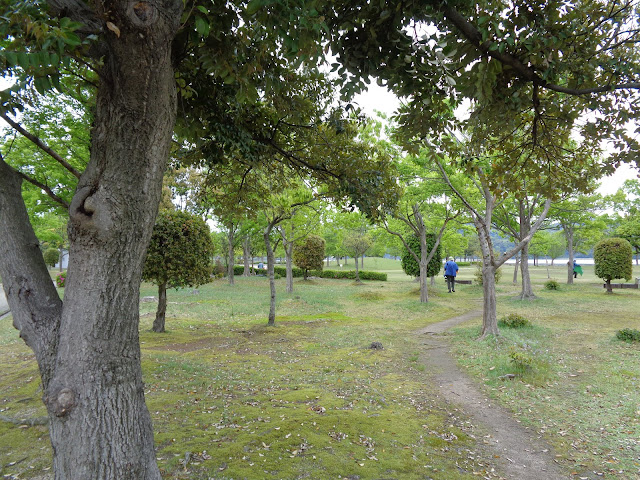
557 261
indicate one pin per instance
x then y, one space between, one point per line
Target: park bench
624 285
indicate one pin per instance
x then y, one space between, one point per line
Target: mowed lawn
233 399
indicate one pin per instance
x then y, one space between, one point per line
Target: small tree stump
376 346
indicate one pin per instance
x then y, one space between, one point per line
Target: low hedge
337 274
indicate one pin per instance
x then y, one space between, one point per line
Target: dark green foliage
337 274
51 256
628 335
309 255
552 285
180 251
409 264
513 320
613 259
61 279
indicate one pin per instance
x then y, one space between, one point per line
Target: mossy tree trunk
88 348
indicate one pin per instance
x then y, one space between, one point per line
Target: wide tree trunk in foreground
88 348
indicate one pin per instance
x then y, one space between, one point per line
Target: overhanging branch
41 145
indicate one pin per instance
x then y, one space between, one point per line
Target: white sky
380 99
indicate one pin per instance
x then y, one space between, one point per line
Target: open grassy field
233 399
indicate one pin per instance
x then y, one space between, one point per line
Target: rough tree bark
287 245
231 259
158 323
246 254
568 232
525 215
482 221
270 274
88 348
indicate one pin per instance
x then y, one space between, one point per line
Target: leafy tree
309 254
626 204
613 259
357 242
179 255
409 264
51 256
517 226
425 205
582 227
292 231
480 203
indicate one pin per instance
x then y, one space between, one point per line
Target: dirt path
524 455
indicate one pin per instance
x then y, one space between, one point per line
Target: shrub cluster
628 335
520 360
61 279
552 285
478 273
336 274
513 320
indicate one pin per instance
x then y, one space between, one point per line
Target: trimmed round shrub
309 254
409 264
613 259
552 285
51 256
513 320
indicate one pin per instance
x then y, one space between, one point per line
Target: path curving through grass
521 453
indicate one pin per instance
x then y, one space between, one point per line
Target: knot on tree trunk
61 403
142 14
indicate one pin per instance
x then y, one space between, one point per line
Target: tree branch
50 193
525 72
34 301
41 145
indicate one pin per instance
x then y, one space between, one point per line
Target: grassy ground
233 399
581 388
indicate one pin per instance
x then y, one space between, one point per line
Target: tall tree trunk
231 256
60 258
515 270
362 261
489 317
568 231
357 271
89 352
287 245
289 267
271 275
546 261
424 293
158 323
527 288
246 253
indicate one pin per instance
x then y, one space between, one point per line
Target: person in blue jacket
450 272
